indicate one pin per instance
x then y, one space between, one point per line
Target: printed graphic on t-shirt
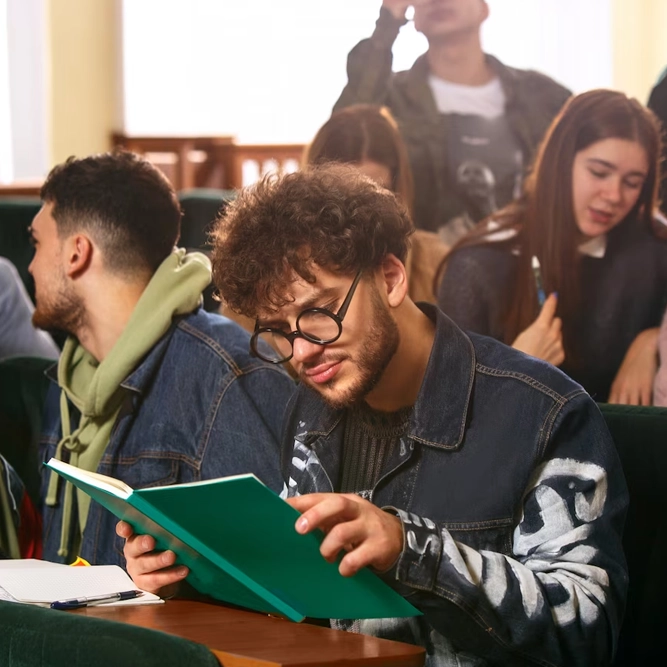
486 163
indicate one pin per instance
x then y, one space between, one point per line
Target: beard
60 311
377 350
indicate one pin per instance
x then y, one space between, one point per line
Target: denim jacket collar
140 378
451 367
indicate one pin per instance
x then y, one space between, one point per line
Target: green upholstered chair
16 214
640 435
10 546
38 637
23 388
201 207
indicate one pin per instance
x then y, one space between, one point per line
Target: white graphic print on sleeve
569 496
554 562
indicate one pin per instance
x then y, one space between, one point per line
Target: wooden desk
246 639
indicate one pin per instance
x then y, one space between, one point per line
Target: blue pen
541 297
78 603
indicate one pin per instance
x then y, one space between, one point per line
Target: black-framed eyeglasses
316 325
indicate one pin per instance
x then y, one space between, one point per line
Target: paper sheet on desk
40 582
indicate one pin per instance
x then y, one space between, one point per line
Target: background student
471 123
367 137
587 216
18 336
657 103
660 384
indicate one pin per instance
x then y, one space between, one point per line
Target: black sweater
623 293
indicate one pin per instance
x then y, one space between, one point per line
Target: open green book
238 539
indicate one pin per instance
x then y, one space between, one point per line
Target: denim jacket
198 407
512 501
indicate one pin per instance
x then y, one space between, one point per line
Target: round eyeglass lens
279 345
318 325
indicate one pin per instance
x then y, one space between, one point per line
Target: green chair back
38 637
640 435
23 387
16 214
201 207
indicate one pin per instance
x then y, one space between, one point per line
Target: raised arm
369 63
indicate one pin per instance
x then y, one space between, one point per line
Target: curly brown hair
329 215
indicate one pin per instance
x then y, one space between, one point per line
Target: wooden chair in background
188 162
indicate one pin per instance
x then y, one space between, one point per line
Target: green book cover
237 537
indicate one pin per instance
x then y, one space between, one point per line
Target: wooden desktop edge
241 638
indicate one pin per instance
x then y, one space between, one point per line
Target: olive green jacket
533 100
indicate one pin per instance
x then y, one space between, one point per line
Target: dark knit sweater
370 437
623 293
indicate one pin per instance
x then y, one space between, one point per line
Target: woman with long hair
368 137
585 234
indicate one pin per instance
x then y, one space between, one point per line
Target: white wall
264 70
570 40
271 70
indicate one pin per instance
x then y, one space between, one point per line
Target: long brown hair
364 132
544 219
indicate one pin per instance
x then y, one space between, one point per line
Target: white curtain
6 162
24 94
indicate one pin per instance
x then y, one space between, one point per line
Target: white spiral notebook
41 582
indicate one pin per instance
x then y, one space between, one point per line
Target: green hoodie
94 388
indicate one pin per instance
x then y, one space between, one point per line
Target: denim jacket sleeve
558 599
369 65
246 425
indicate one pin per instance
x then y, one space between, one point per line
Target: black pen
78 603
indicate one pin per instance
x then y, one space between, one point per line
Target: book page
109 484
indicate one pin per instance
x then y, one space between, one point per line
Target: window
270 72
23 90
6 162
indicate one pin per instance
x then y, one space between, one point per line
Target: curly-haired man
479 482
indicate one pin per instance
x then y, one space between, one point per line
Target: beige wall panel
84 61
640 44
